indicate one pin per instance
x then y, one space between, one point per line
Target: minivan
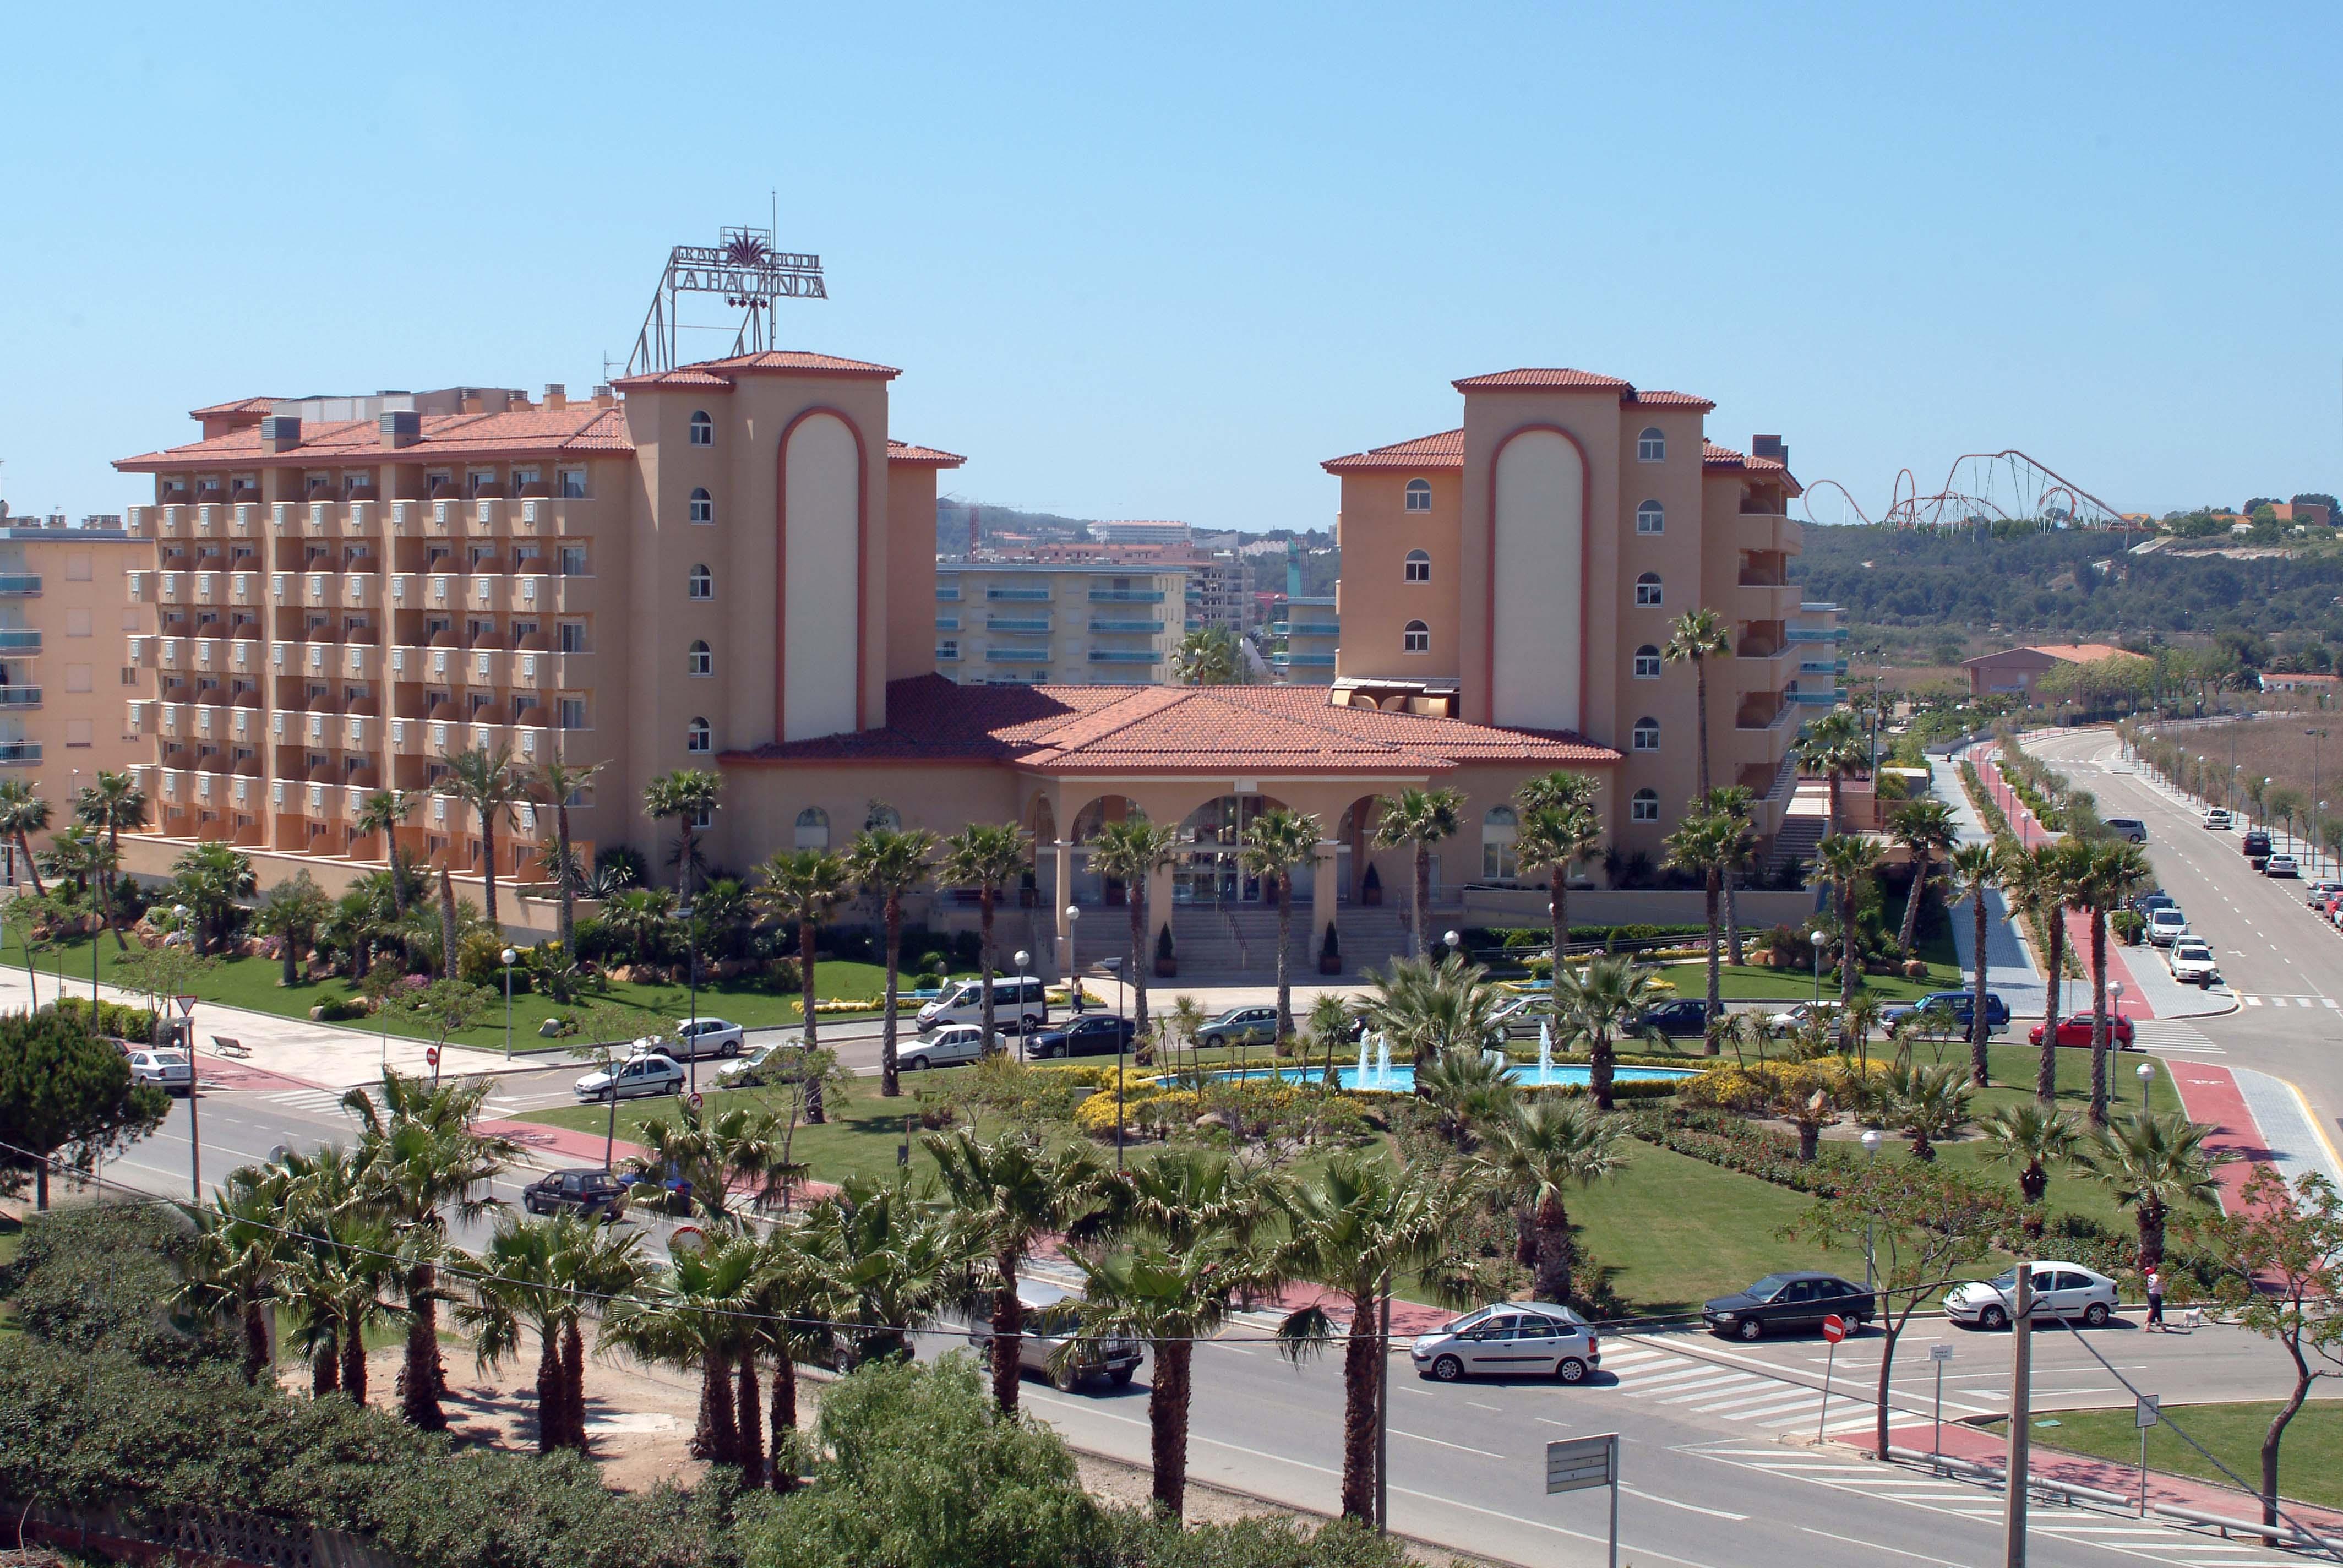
1019 1001
2130 828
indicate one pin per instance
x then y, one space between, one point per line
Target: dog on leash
2192 1317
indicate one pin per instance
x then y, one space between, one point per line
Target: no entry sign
1833 1328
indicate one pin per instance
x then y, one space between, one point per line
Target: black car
1683 1020
2159 899
592 1192
1791 1301
1099 1034
2257 846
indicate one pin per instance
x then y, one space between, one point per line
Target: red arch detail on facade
1585 545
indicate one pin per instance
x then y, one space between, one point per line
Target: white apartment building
1004 623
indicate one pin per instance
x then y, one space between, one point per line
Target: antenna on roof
744 267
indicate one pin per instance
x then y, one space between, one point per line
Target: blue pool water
1401 1079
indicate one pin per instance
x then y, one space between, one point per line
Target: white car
2281 866
2217 819
1792 1019
2192 962
703 1038
2167 926
1511 1339
2060 1290
948 1047
651 1072
171 1069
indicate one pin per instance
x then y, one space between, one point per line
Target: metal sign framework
747 271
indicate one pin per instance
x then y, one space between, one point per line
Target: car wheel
2095 1314
1570 1369
917 1064
1993 1318
1210 1042
1447 1369
1752 1328
731 1048
1120 1376
1065 1380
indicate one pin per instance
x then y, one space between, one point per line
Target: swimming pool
1400 1077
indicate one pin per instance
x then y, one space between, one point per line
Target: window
700 583
573 713
570 562
1650 518
573 484
703 429
1417 637
1419 495
78 621
813 828
1647 663
478 479
1646 735
1651 446
1419 567
703 506
881 818
1644 807
1647 591
704 817
947 648
81 732
80 677
1498 830
78 567
526 476
698 736
572 635
699 660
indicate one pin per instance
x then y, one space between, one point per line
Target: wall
1373 598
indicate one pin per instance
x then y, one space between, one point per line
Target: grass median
2310 1459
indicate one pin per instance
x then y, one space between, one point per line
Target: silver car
1052 1320
171 1069
648 1073
2060 1290
1509 1339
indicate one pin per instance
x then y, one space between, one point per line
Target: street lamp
2146 1071
1454 943
509 956
1122 1042
1818 939
691 1035
187 1001
1073 968
1871 1151
1024 1018
2317 805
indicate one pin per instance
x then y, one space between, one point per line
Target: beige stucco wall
1373 598
910 570
86 617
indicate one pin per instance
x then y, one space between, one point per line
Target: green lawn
1674 1230
2310 1458
1748 983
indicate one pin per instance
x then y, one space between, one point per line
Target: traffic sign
2145 1414
1834 1328
431 1055
694 1101
1577 1464
1940 1352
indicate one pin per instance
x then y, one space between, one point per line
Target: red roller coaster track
1981 488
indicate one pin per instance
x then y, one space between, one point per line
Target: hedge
117 1019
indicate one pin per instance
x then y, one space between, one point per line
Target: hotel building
66 620
1001 623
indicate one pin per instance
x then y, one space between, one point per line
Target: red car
2076 1030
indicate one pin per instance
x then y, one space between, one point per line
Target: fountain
1365 1038
1545 1051
1382 1061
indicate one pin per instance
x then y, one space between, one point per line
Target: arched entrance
1210 873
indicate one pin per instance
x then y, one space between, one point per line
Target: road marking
1687 1507
1876 1546
1491 1409
1443 1443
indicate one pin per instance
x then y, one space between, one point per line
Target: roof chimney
1769 446
401 428
557 396
604 397
280 432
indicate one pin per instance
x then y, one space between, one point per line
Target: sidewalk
1964 1442
2210 1094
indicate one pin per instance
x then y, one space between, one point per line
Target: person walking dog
2156 1302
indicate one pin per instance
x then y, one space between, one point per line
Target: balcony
170 587
947 595
20 753
1123 655
1761 711
1032 624
1328 628
1126 628
19 697
1305 660
1018 655
1829 697
1812 634
409 738
362 520
19 639
25 585
1019 595
948 653
1126 596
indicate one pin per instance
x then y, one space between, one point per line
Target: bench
226 1045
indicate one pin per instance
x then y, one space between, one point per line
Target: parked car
2318 894
171 1069
2060 1290
1789 1301
1053 1319
651 1072
2192 962
2281 866
2217 819
2077 1031
1509 1339
2256 845
948 1047
1241 1026
1099 1034
2166 925
760 1066
1961 1004
2130 828
2145 903
1684 1019
591 1191
1792 1019
701 1039
1019 1001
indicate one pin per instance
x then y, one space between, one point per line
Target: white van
1018 1001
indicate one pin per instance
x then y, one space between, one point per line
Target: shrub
100 1276
118 1019
341 1009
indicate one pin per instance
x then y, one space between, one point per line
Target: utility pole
2021 1419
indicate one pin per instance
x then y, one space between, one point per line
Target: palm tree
983 856
695 1315
1739 803
1926 830
890 862
114 803
1009 1194
1433 1007
1705 843
1352 1231
1926 1104
1834 747
2030 1139
538 1274
1212 656
2037 881
420 1156
556 783
487 782
2154 1165
1545 1148
293 911
802 888
2106 872
896 1258
235 1267
717 1153
342 1265
1469 1090
1130 852
1274 843
1694 638
689 796
1847 860
1420 818
208 878
23 812
1558 830
383 812
1330 1026
1602 1005
1976 871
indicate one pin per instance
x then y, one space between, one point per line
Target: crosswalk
1694 1385
2173 1036
1983 1503
320 1100
2287 1000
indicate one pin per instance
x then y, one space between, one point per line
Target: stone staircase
1241 941
1796 841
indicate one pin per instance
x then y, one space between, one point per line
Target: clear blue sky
1161 264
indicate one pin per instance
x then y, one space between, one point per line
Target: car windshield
2006 1280
1764 1289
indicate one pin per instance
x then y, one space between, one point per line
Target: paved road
2285 965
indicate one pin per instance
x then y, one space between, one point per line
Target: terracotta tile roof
1225 729
2081 652
688 376
1445 450
523 432
771 361
234 406
1672 400
923 457
1527 379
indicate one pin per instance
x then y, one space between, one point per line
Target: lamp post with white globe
1817 939
2147 1073
509 956
1024 1018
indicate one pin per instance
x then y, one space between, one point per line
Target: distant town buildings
2012 672
1011 623
66 620
1140 533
